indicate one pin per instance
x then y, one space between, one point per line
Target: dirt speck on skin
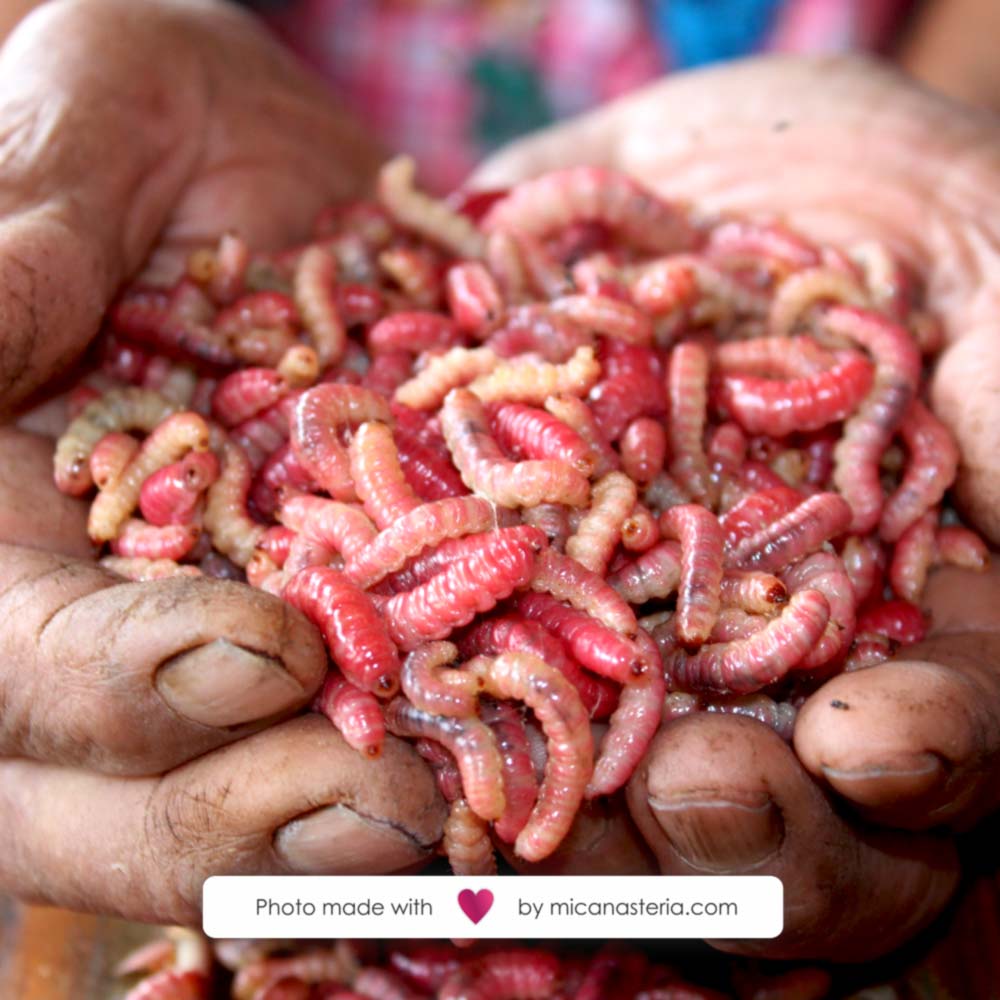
837 703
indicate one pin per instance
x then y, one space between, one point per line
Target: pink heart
475 905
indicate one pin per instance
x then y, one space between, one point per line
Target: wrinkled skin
123 801
129 771
847 150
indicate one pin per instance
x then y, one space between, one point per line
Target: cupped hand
846 150
145 731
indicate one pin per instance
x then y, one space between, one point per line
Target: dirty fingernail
337 841
222 684
718 834
890 780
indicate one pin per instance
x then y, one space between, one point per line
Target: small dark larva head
387 685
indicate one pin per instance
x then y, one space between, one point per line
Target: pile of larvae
532 459
182 965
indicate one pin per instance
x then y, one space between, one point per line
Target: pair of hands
147 737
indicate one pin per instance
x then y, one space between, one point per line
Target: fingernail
720 835
890 780
338 841
222 684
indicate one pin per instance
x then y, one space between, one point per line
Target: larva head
200 469
385 685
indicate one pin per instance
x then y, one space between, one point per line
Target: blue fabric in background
696 32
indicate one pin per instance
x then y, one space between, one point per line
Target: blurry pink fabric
447 80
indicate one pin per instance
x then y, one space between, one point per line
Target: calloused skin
847 149
124 782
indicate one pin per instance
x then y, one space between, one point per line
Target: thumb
94 150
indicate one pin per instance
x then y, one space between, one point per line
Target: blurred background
451 80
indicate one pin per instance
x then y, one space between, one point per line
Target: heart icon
475 905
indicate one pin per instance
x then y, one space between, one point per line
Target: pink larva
654 573
426 966
486 470
864 562
137 539
356 714
264 434
466 842
665 286
111 456
175 437
913 557
274 543
443 372
607 316
441 762
258 328
119 410
958 546
471 743
491 567
757 510
825 572
142 570
226 519
381 984
281 474
338 526
520 785
640 530
320 413
359 305
575 413
747 665
429 217
769 243
474 299
387 372
558 709
770 406
305 552
528 381
869 432
612 501
319 965
687 383
631 385
592 644
552 519
773 357
698 597
504 259
433 685
171 984
777 715
153 317
931 469
378 477
422 527
428 467
413 332
796 534
528 432
171 495
632 728
798 292
901 621
759 593
598 275
643 449
592 194
355 633
504 975
315 276
568 580
536 329
511 633
664 492
869 650
245 393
